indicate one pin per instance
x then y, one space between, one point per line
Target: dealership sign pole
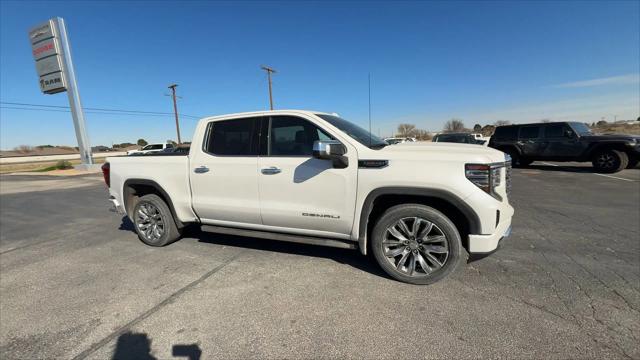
52 54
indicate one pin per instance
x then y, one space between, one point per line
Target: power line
98 109
89 112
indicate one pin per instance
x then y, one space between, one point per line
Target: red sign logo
39 50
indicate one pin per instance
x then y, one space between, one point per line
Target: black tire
516 160
417 248
150 211
609 161
633 162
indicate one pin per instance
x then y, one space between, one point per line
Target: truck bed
168 171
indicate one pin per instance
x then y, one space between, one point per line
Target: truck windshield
581 129
357 133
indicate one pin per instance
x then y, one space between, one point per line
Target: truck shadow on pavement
137 346
343 256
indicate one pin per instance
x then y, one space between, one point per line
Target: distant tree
142 142
23 149
502 123
638 118
477 128
601 123
454 125
406 130
593 124
422 135
545 120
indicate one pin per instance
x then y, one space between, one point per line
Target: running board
301 239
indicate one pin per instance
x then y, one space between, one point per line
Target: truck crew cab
316 178
566 141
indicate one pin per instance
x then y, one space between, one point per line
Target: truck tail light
106 173
485 176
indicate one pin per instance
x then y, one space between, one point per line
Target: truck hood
443 151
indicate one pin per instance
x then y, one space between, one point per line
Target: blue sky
429 62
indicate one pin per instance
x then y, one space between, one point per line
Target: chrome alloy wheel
149 222
415 246
606 160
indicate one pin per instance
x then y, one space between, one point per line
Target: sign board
48 54
54 65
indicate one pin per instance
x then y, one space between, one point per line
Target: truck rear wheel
153 221
610 161
416 244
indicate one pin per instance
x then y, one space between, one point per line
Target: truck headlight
485 176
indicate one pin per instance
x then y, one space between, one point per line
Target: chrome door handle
271 170
201 170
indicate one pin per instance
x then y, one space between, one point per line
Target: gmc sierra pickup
316 178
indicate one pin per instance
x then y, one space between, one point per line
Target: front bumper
482 244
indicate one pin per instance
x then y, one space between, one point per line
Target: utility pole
175 109
269 70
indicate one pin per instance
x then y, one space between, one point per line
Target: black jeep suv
566 141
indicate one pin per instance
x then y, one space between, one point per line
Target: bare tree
477 128
422 135
454 125
406 130
502 123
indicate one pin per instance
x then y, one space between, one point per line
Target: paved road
41 158
76 282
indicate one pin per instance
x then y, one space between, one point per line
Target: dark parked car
566 141
462 138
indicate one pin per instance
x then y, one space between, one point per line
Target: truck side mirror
331 150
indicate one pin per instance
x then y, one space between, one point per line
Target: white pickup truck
316 178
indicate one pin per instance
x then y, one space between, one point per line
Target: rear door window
237 137
529 132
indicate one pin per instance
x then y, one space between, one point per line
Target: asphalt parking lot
75 282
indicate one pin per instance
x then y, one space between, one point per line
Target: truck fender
150 183
458 203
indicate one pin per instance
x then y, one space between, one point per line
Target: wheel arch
597 147
378 200
136 188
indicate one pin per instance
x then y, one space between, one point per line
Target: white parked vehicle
319 179
150 149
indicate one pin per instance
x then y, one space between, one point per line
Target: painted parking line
609 176
615 177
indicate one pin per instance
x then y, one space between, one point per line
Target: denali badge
322 215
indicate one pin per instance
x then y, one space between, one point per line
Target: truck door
224 173
299 193
561 142
529 140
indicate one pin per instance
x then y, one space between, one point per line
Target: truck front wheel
416 244
610 161
153 221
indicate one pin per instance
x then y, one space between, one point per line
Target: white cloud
613 80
